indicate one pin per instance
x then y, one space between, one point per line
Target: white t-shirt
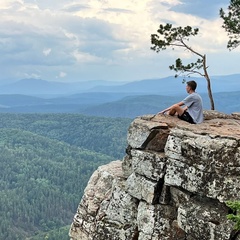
195 107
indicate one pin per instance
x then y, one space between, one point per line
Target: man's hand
162 112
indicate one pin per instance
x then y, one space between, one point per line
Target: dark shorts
186 117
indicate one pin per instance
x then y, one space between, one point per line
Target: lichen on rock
171 185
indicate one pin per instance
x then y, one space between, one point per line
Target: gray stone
204 219
140 187
200 163
155 221
145 163
141 134
98 190
171 185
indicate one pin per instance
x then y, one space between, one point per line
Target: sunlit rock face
172 184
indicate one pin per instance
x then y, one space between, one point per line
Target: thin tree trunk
208 83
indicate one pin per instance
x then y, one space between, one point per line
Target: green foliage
44 169
42 181
179 67
169 36
99 134
231 23
56 234
235 216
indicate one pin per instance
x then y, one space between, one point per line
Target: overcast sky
63 40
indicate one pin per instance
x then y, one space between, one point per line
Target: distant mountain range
114 99
163 86
39 87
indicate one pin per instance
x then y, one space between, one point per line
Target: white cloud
62 75
82 57
31 75
47 51
87 37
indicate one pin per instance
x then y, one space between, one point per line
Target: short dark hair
192 85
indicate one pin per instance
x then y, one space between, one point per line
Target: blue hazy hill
173 86
103 105
102 98
162 86
39 87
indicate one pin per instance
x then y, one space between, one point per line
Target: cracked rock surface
171 185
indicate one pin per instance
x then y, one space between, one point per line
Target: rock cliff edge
171 185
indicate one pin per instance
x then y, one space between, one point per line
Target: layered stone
203 164
173 184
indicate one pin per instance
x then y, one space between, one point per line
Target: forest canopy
46 162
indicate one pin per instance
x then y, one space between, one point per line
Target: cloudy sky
79 40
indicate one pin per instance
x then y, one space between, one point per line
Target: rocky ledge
171 185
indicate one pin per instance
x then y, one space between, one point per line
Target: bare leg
176 109
172 112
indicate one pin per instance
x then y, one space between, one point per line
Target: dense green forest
46 161
99 134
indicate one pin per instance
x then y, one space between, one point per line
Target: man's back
195 107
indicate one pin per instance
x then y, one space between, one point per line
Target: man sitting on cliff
192 111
